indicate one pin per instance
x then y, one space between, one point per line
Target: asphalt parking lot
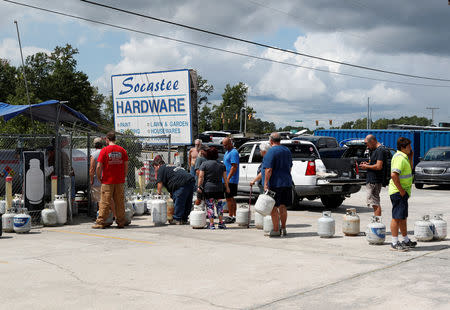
147 267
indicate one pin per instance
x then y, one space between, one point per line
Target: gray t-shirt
95 156
200 160
212 182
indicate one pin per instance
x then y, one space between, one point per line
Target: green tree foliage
383 123
204 89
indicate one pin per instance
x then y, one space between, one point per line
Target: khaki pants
95 196
113 192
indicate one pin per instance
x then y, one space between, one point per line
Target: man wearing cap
112 168
95 182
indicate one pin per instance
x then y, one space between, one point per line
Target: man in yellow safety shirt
399 192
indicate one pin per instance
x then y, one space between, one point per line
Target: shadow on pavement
6 237
300 235
297 225
437 247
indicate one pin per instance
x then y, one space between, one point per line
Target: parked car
204 137
434 168
217 136
331 181
328 146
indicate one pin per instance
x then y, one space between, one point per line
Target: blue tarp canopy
46 111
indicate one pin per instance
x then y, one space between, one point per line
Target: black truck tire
332 201
419 185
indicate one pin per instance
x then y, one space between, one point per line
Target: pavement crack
66 270
355 276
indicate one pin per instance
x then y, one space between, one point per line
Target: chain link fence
70 156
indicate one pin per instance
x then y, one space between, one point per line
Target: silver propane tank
128 214
259 220
267 224
60 205
49 216
424 229
265 203
242 215
109 220
376 231
8 221
2 206
326 225
440 227
351 223
139 206
22 222
197 217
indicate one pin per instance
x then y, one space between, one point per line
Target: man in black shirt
375 174
180 185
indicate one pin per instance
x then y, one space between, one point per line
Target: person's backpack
387 159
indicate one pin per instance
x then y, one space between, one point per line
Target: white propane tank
159 210
376 231
242 216
22 222
129 205
267 225
49 216
197 218
424 229
139 206
326 225
265 204
60 205
2 206
8 221
110 220
440 227
259 220
350 225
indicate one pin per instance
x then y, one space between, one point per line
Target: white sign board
154 103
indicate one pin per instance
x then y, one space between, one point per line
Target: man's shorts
399 206
283 195
373 194
233 190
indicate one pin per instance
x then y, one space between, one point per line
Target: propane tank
259 220
49 216
8 221
376 230
440 227
34 182
2 206
128 215
110 220
60 206
242 216
424 229
17 202
22 222
265 203
350 225
170 209
326 225
129 205
159 210
197 217
139 206
267 224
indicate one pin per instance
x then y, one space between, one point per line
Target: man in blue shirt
277 165
231 161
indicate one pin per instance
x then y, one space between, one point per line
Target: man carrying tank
231 162
112 168
375 173
277 165
399 192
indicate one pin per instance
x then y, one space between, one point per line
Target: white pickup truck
331 180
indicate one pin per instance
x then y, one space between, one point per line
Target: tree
227 114
204 89
8 79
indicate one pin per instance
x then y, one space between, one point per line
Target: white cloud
380 93
9 49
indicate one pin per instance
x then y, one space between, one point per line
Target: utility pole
23 64
432 113
245 118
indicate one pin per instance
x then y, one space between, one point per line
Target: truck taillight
311 168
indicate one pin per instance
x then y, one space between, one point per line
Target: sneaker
283 232
212 227
222 226
409 244
228 220
98 226
274 234
399 247
233 219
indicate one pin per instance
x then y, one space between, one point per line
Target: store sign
154 103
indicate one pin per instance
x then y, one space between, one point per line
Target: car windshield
302 151
438 155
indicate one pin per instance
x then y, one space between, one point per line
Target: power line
262 44
222 49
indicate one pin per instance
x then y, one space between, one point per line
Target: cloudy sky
410 37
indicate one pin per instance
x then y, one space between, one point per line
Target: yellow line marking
99 236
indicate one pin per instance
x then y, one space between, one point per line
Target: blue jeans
182 200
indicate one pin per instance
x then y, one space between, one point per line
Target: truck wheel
332 201
295 199
419 185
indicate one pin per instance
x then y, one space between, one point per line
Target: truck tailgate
340 171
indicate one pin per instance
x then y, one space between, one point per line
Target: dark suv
434 168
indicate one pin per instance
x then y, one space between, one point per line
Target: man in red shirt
112 167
